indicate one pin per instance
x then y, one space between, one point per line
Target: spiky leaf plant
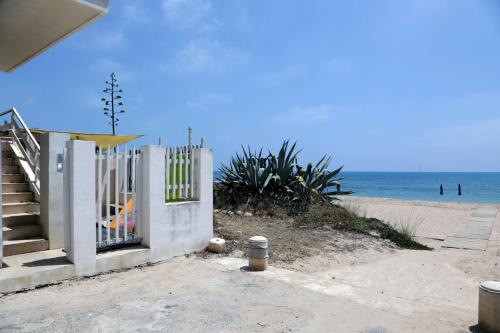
277 180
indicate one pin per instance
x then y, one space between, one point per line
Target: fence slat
186 167
108 183
124 195
133 188
174 177
181 172
117 195
191 172
99 196
167 175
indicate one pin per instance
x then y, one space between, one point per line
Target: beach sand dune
429 219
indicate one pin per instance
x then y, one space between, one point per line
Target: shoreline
428 219
426 202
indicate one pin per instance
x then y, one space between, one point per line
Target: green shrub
264 181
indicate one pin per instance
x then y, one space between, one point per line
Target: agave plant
254 179
316 184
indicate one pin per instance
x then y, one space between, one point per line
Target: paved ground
408 291
474 233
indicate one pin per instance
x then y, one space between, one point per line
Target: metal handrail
26 143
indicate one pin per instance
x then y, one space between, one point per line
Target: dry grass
354 208
407 223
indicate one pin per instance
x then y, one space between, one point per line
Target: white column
51 187
152 195
1 212
203 175
203 190
80 206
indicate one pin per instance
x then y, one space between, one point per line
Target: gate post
51 187
152 196
80 206
1 212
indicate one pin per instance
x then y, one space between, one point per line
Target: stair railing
25 142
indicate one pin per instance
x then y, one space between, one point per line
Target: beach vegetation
266 180
339 218
276 185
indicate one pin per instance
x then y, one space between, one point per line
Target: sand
430 219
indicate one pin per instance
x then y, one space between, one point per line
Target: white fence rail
179 173
117 218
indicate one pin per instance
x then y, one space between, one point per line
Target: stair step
13 247
12 220
15 187
17 197
20 207
21 232
6 153
13 178
10 168
8 161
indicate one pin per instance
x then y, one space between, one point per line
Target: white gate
117 222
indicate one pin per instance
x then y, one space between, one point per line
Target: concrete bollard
489 306
257 253
216 245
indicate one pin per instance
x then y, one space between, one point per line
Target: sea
476 187
480 187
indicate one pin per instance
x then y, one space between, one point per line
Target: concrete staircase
21 230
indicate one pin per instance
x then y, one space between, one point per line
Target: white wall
1 212
51 188
168 230
80 206
171 229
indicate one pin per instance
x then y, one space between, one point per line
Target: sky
383 85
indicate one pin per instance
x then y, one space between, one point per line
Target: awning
29 27
100 139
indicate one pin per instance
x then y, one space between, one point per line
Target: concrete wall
175 228
52 147
168 230
1 212
80 206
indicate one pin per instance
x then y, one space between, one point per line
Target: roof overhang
103 140
29 27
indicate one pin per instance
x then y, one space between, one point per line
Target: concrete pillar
152 195
203 175
51 187
171 229
489 306
80 206
1 212
203 189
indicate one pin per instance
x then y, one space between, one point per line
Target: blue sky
380 85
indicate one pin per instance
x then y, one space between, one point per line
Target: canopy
100 139
28 28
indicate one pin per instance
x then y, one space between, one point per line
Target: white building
70 208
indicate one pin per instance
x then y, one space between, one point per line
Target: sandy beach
431 219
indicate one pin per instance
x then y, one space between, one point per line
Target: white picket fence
116 179
179 173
